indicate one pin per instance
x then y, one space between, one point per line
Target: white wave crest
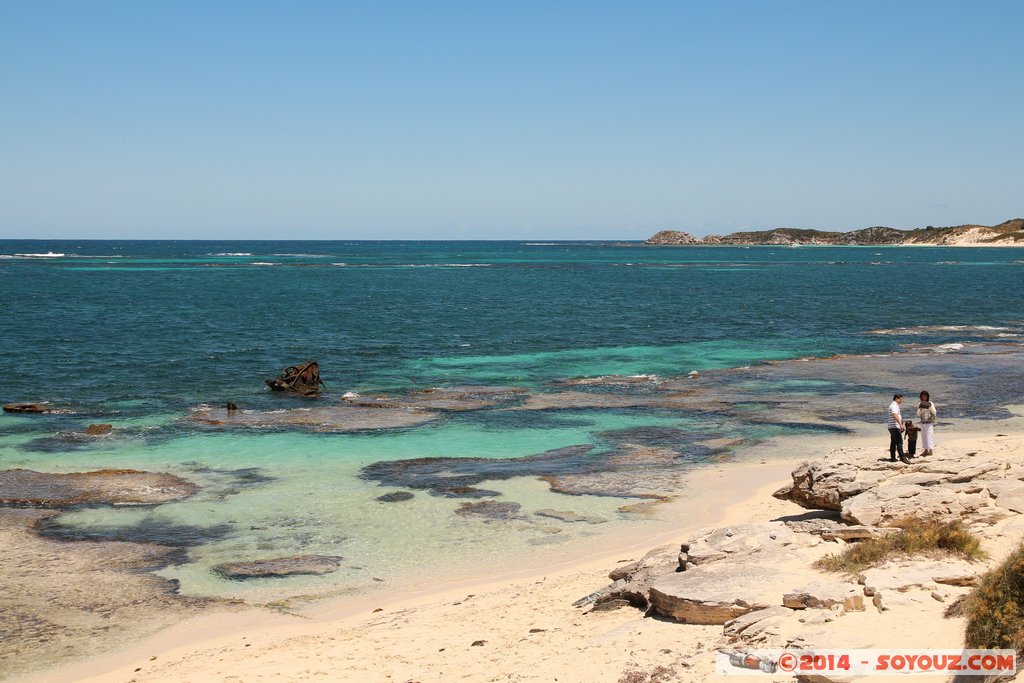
985 330
49 254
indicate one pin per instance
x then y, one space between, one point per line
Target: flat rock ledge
758 581
28 488
279 567
870 492
27 408
728 572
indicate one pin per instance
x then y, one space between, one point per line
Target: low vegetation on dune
995 608
916 537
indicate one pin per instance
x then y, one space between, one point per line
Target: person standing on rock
895 425
927 415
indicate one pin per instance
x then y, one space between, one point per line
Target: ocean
581 379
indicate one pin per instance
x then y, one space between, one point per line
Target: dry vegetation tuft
995 608
916 537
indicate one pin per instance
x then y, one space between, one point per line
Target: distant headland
1008 234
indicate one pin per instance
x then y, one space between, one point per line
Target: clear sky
505 120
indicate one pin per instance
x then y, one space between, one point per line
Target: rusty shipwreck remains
298 379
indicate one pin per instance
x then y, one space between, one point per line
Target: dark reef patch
148 530
502 419
656 436
627 470
279 567
490 509
396 497
439 475
61 442
465 492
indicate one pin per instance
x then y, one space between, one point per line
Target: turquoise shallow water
137 334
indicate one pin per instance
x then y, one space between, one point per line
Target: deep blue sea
672 343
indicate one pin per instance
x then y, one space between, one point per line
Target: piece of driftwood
299 379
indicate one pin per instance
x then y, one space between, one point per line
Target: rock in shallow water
280 566
102 487
490 509
26 408
569 516
395 497
322 418
98 429
443 475
451 399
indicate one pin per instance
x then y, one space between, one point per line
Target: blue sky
489 120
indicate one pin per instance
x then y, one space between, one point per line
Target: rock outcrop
673 237
759 582
728 572
872 492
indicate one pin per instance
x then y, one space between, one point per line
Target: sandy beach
523 626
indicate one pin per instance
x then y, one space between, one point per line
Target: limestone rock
823 486
885 504
818 525
26 408
717 592
906 575
825 595
281 566
319 418
102 487
99 429
661 560
673 237
767 627
1011 497
710 545
868 491
632 581
449 399
857 532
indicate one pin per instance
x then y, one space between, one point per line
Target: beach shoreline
375 637
721 489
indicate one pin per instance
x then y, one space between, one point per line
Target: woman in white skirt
926 416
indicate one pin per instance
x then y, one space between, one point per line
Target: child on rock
911 432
